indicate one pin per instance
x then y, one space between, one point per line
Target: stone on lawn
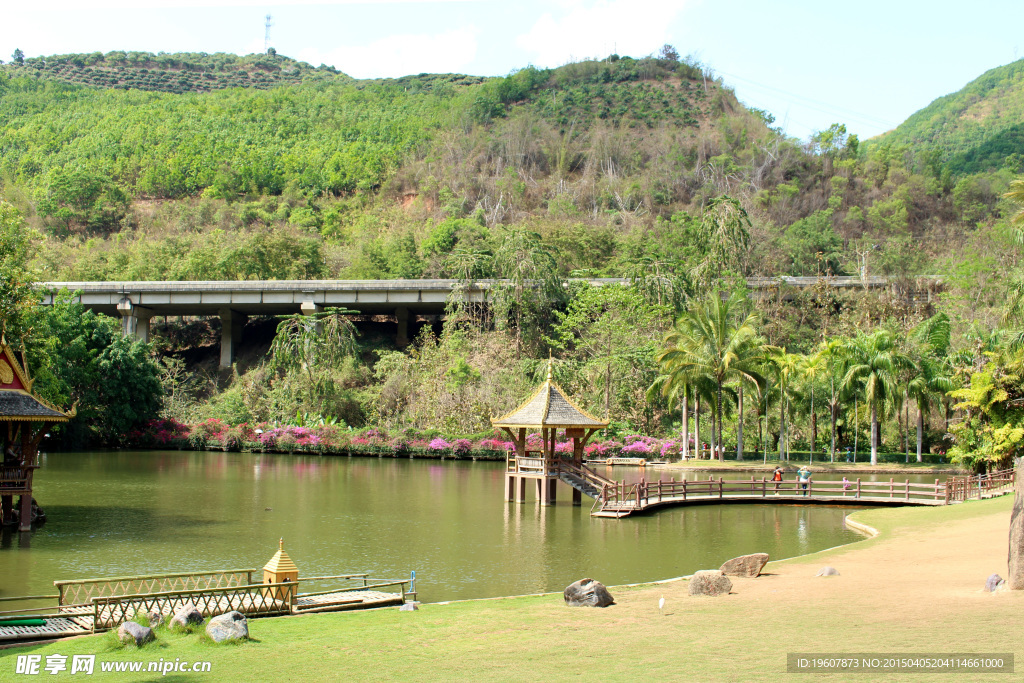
409 607
130 631
186 615
710 582
230 626
587 593
155 618
995 583
747 566
828 571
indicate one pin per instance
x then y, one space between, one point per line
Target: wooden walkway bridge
94 605
618 499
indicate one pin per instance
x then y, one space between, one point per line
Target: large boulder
710 582
230 626
747 566
186 615
828 571
129 632
1015 561
587 593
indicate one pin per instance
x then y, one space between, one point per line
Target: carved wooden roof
17 402
548 407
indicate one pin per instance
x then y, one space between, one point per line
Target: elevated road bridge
234 302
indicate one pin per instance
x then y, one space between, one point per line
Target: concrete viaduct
235 301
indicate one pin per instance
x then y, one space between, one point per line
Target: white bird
661 605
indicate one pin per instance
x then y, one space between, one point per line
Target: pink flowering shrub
637 449
211 429
462 446
438 445
563 447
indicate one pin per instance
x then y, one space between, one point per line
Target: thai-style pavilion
24 419
548 410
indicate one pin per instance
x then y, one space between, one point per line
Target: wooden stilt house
549 410
24 419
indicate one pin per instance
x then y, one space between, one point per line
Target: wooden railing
979 486
640 495
259 599
82 591
15 479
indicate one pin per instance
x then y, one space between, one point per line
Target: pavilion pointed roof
280 562
17 402
548 407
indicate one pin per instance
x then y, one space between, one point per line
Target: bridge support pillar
310 307
577 497
231 325
402 317
134 319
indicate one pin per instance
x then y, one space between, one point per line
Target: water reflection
124 513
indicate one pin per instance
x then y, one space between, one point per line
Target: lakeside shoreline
932 562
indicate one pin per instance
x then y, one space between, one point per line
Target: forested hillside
978 128
647 168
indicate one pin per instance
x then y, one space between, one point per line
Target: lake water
121 513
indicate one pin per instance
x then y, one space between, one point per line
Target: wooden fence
639 496
979 486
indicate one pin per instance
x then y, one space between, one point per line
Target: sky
867 64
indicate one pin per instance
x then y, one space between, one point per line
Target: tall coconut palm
711 342
875 363
833 353
812 368
930 378
786 369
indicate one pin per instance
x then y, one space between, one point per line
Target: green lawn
742 637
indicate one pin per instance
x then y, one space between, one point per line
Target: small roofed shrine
548 410
24 419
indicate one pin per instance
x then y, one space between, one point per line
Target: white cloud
596 28
401 55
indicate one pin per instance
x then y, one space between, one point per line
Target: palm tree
930 379
785 367
832 352
812 367
874 367
711 342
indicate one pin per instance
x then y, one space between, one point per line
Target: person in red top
777 478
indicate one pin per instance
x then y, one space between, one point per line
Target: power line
818 106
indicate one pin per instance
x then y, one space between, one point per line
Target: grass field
916 587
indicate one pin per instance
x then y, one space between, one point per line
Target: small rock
155 619
995 583
587 593
409 607
130 631
186 615
828 571
710 582
230 626
747 566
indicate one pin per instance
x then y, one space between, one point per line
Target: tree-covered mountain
177 73
978 128
646 168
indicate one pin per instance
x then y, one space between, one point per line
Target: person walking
777 478
804 475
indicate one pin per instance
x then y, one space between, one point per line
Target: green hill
174 73
977 128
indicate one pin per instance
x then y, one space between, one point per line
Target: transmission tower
266 35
